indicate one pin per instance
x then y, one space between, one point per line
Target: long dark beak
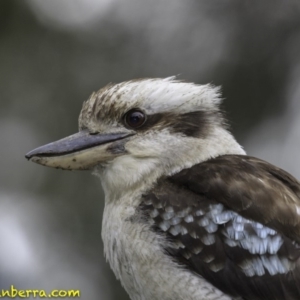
81 150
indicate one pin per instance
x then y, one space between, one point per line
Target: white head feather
159 150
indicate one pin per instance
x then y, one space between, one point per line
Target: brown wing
251 187
233 220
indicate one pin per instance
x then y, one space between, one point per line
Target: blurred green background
55 53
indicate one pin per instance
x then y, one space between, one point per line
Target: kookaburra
188 215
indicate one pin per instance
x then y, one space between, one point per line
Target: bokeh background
54 53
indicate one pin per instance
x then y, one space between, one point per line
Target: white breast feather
136 257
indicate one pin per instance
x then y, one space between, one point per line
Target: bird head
144 127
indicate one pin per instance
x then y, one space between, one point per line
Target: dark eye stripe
193 124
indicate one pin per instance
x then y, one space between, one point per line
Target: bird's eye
134 118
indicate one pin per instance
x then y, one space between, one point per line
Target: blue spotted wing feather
234 221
